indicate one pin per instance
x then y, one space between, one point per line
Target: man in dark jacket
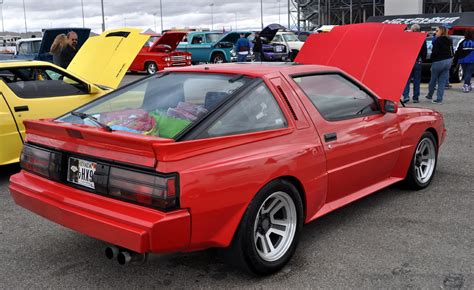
416 72
257 48
69 51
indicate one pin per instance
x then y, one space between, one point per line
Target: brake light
40 161
142 188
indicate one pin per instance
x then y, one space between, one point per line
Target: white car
290 39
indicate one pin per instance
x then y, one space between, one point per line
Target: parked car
455 73
291 40
236 156
271 51
37 89
160 52
214 47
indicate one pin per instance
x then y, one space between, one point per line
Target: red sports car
236 156
160 52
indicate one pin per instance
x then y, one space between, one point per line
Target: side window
257 111
44 82
337 98
197 39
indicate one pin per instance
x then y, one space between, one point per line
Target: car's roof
29 39
256 69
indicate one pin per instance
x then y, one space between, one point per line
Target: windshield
290 37
213 37
163 105
29 47
150 41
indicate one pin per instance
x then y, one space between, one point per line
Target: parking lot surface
393 238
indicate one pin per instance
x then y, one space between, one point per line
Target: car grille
178 58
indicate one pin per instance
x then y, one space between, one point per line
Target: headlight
188 57
232 52
166 59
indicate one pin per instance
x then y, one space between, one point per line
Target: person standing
69 51
416 71
465 57
243 48
257 48
442 57
59 43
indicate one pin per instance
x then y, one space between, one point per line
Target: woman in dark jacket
441 57
465 56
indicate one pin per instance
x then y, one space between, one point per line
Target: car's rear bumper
126 225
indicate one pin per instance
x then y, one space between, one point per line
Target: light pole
24 13
279 20
261 13
161 16
1 11
212 16
82 7
103 18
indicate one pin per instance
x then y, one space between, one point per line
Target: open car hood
232 37
381 56
170 38
50 34
104 59
270 31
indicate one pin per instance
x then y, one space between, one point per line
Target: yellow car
35 89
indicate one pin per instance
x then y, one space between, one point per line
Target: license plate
278 48
81 171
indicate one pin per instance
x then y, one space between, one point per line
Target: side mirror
388 106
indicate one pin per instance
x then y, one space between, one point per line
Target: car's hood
50 34
233 36
104 59
270 31
170 38
381 56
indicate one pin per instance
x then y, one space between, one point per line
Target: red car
236 156
159 52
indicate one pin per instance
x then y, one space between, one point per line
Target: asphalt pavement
394 238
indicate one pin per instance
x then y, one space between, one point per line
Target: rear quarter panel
218 186
413 123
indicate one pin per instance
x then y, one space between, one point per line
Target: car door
361 143
198 47
11 140
43 91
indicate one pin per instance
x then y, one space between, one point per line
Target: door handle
330 137
21 108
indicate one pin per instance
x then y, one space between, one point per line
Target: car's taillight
142 188
41 161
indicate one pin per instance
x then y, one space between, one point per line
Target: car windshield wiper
92 118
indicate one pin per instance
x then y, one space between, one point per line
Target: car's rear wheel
151 68
423 163
269 231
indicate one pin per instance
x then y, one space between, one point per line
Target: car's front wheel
269 231
423 163
151 68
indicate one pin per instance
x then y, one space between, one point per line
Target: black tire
218 57
244 251
414 180
457 74
151 67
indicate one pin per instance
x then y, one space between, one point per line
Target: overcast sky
139 13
